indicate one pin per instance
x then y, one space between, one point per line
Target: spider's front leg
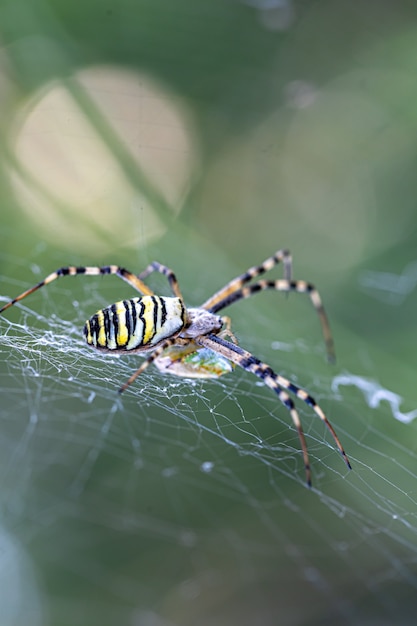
286 286
278 384
215 302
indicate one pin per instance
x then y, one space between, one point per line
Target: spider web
184 502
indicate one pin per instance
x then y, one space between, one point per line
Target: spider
195 341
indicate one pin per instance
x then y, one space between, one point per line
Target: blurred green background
207 135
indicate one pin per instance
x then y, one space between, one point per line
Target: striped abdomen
135 324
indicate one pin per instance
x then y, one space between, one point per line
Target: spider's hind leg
151 358
72 270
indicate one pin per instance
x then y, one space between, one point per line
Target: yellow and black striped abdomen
135 324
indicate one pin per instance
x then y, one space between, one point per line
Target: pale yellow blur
75 179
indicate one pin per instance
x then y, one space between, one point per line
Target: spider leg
227 332
151 358
237 283
130 278
277 383
166 271
299 286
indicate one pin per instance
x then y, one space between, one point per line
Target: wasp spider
195 342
